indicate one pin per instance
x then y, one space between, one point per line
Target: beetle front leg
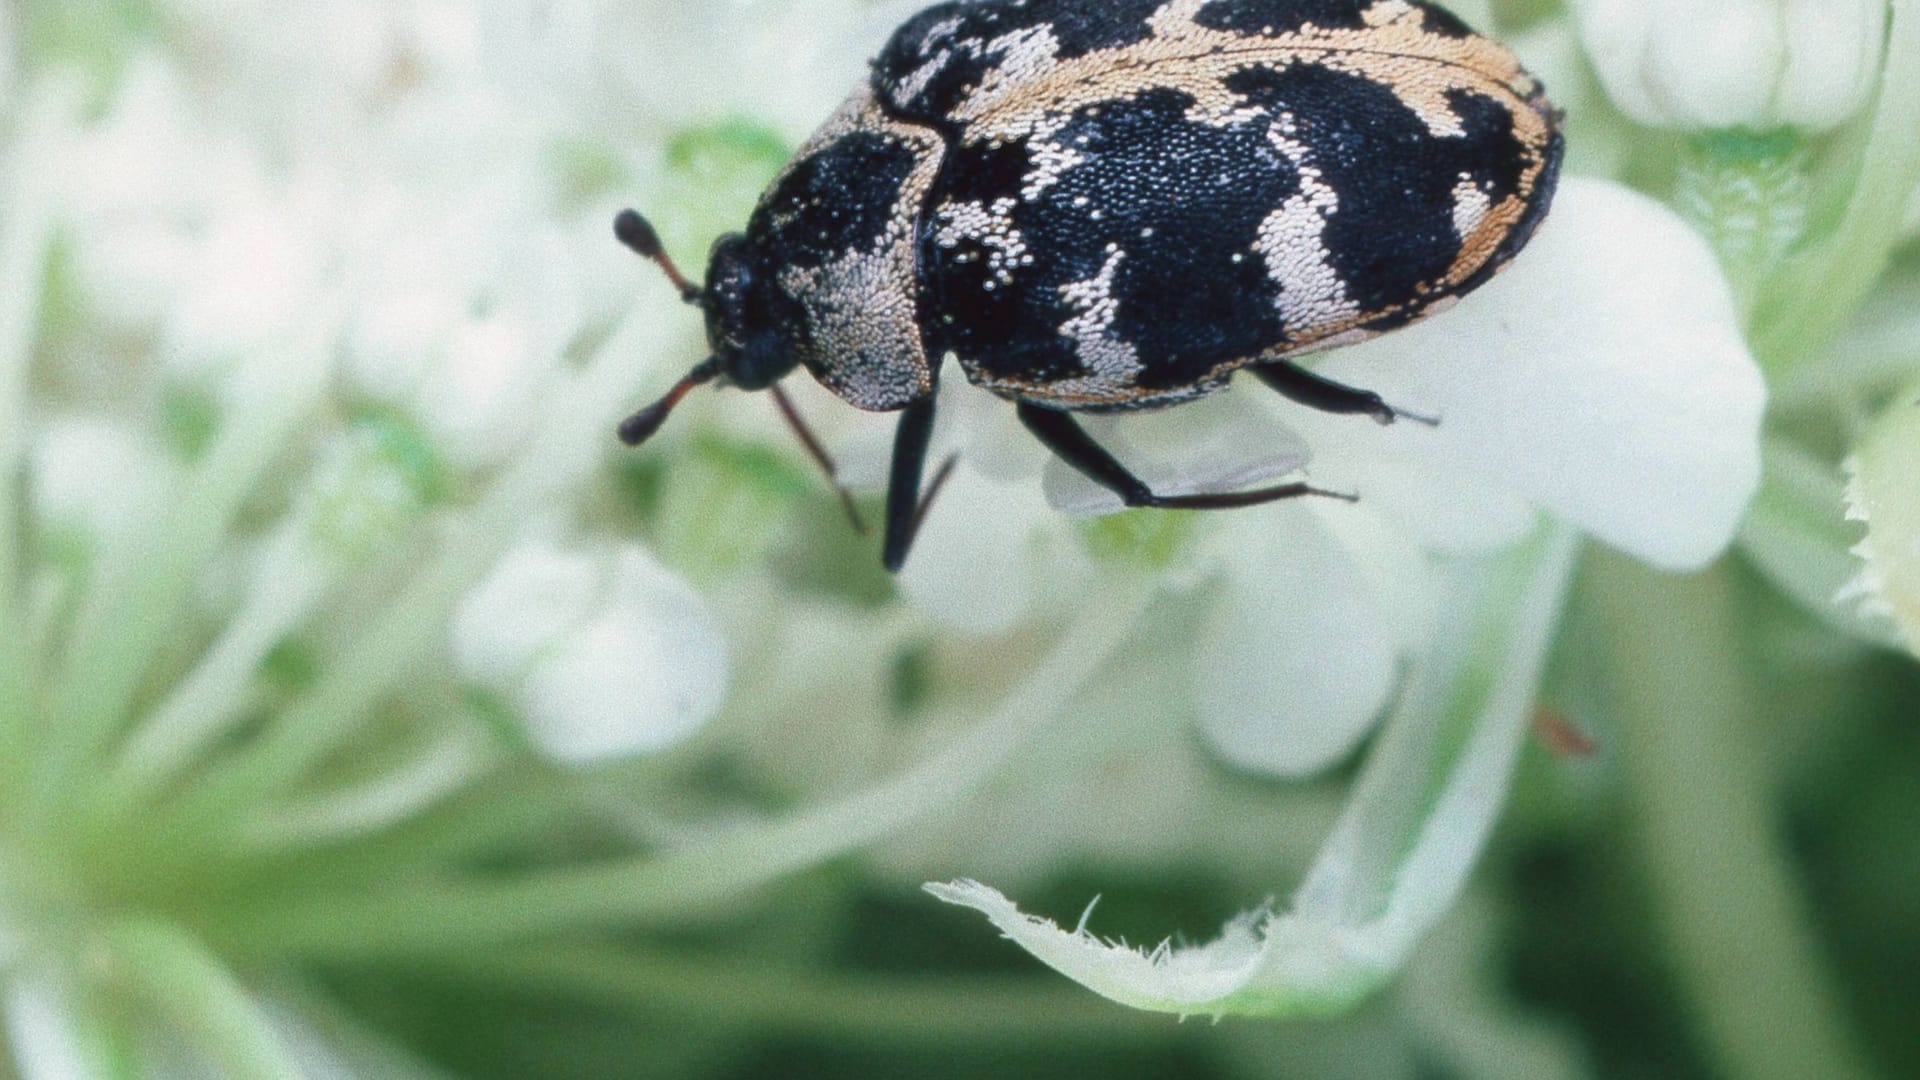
910 441
1063 435
1319 392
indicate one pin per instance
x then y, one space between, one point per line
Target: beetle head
747 351
742 329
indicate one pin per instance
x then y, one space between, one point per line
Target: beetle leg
903 485
1319 392
1063 435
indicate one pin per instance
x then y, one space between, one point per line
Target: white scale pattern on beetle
861 312
1470 207
1111 361
1293 243
992 228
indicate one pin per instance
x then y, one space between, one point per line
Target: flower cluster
341 639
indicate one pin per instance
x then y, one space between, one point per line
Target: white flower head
604 654
1601 380
1757 64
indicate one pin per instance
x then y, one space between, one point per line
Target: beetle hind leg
1063 435
1319 392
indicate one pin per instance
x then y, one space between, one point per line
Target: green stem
1737 928
679 886
209 701
177 978
961 1010
26 236
135 610
563 450
1804 306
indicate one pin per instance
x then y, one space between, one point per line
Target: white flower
603 655
1601 380
95 478
1601 383
1757 64
140 189
1401 851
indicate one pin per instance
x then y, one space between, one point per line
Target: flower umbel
365 710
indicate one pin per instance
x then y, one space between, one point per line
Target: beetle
1115 205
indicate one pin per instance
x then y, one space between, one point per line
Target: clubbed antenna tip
638 234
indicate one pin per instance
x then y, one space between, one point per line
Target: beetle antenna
635 232
819 454
640 427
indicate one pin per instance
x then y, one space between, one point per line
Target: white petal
1420 812
1715 65
1452 506
1835 55
1221 443
261 271
1297 657
97 477
538 592
46 1043
1603 376
641 675
985 553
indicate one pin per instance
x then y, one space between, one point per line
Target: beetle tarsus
1316 391
1063 435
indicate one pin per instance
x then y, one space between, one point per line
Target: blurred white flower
603 655
95 478
264 269
1757 64
142 188
459 338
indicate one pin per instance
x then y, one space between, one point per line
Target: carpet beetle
1111 205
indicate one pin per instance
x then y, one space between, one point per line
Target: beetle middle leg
1063 435
1319 392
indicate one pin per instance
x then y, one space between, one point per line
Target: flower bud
602 655
1758 64
95 479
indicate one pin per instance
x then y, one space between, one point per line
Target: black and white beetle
1110 205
